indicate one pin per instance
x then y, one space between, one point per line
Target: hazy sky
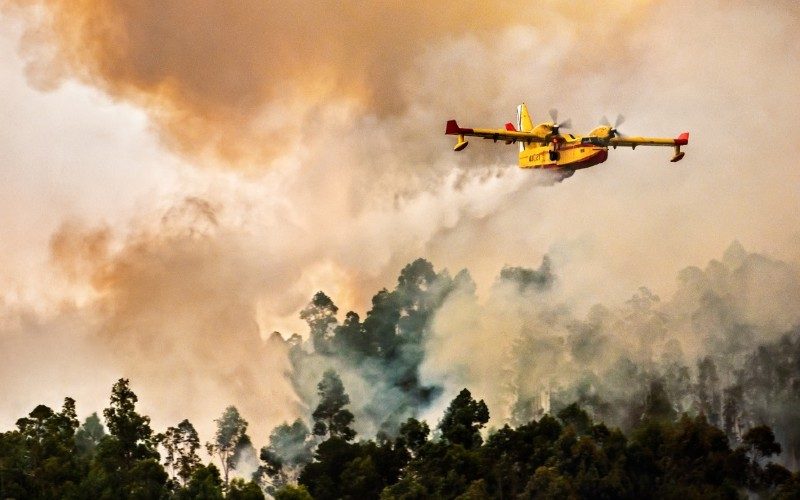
180 176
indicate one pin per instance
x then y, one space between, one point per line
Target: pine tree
330 417
463 420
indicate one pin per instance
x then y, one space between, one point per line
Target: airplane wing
632 142
509 135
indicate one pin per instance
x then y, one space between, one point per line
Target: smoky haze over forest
182 181
724 345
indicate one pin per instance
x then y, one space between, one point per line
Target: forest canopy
696 395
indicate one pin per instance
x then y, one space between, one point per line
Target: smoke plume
322 128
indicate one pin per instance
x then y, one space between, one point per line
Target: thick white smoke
347 183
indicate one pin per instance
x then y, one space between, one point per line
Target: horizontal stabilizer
452 128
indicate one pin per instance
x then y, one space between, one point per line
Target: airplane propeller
565 124
614 131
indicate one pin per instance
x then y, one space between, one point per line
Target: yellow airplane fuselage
573 153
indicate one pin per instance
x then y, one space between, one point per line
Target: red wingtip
510 127
682 139
452 128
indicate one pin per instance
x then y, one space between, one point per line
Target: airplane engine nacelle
543 129
603 132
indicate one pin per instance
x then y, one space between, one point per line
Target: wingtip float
544 146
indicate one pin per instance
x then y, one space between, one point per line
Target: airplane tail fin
524 122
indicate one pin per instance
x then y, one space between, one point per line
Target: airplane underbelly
585 160
570 158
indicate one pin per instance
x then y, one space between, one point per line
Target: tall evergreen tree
133 437
48 461
331 417
231 431
205 483
320 314
288 451
463 420
126 462
89 435
181 444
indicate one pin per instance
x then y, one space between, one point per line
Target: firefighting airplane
543 146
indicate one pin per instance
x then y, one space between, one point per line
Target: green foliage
330 416
41 458
647 389
231 435
549 483
414 434
768 390
204 484
513 455
290 448
444 470
320 314
664 459
181 444
239 489
351 338
566 457
386 349
530 279
475 491
322 477
353 470
89 436
761 442
290 492
463 420
576 417
291 443
14 476
126 461
133 438
147 479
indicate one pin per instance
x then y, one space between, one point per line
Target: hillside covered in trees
695 396
567 455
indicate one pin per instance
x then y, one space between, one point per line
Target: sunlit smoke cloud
212 74
533 346
337 116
